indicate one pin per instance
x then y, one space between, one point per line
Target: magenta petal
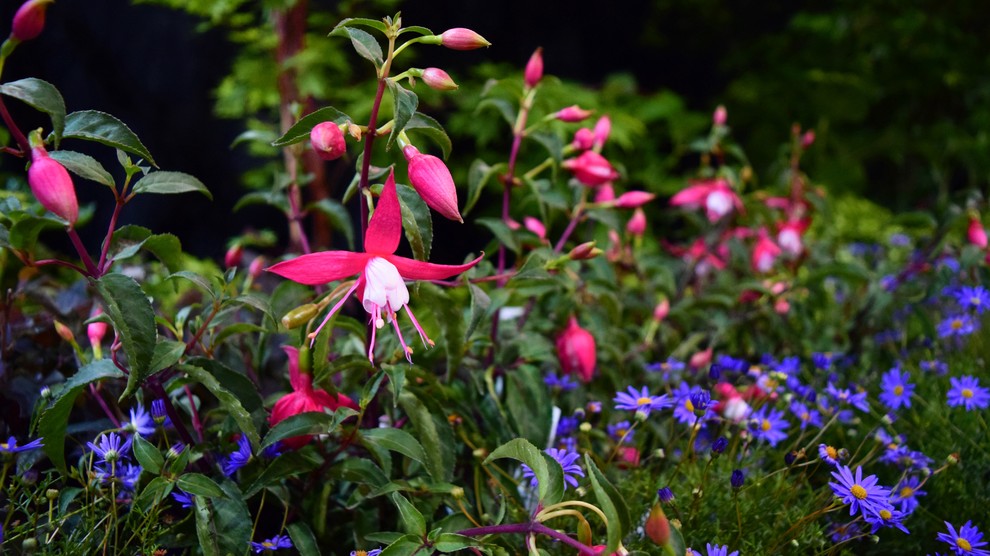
385 227
418 270
691 196
321 268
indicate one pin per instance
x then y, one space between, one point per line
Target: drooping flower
591 169
716 196
303 399
861 493
381 273
896 390
567 461
975 233
765 253
576 351
52 186
967 392
967 540
271 545
641 401
431 178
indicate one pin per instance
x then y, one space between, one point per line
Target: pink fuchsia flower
460 38
432 180
29 21
576 351
715 196
603 128
534 68
328 141
765 253
633 199
789 236
584 139
720 115
572 114
303 399
438 79
52 186
381 273
535 226
605 193
591 169
637 224
975 233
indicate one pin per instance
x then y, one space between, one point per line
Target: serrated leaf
480 303
396 380
548 473
434 433
431 128
200 485
364 44
300 130
40 95
147 455
93 125
133 320
406 545
84 166
416 221
305 424
167 353
231 403
376 24
303 539
411 520
170 183
404 104
501 232
452 542
396 440
167 249
611 503
338 216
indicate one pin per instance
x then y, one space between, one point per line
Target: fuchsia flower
765 253
303 399
460 38
584 138
29 21
432 180
52 186
381 273
577 351
572 114
534 68
637 224
591 169
789 236
535 226
438 79
603 128
720 116
328 141
975 233
715 196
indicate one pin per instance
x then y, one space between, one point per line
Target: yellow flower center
805 416
688 405
906 492
898 390
885 514
957 324
832 452
964 544
765 425
644 401
859 492
974 301
967 393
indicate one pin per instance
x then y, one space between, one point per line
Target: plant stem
81 249
103 404
103 265
575 218
19 137
527 528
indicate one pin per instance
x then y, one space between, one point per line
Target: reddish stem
19 137
81 250
369 137
197 424
526 528
103 265
103 404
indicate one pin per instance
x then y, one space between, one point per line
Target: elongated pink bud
535 226
534 68
720 116
637 224
603 128
29 21
460 38
233 256
328 141
634 199
808 139
661 311
438 79
976 234
584 139
52 186
605 193
96 330
591 169
572 114
577 351
432 180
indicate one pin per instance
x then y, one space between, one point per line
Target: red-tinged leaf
385 227
418 270
320 268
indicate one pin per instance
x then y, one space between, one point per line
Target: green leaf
223 525
480 303
128 240
200 485
675 546
285 465
55 419
147 455
396 380
42 96
611 503
168 183
416 29
359 470
375 24
24 233
547 471
309 423
553 144
501 232
434 433
134 321
303 539
203 282
431 128
396 440
167 353
238 384
153 494
406 545
92 125
478 176
504 107
529 404
300 130
364 44
410 519
229 401
404 104
338 216
416 221
451 320
452 542
84 166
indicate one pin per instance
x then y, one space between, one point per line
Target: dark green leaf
308 423
480 302
407 545
203 282
303 539
153 494
504 107
229 401
410 519
478 176
451 320
396 380
553 144
338 216
547 471
431 128
404 104
611 503
134 321
434 432
84 166
452 542
359 470
147 455
223 525
42 96
24 232
396 440
170 183
376 24
286 465
200 485
167 249
301 129
416 221
364 44
502 232
167 353
416 29
92 125
529 404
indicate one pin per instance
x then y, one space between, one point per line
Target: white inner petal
383 287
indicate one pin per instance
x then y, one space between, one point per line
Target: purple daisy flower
829 454
374 552
621 431
109 448
564 383
640 401
906 494
684 405
567 461
769 424
844 531
141 422
718 550
886 517
184 499
11 447
897 390
956 325
974 298
806 416
967 392
844 396
862 494
239 458
272 544
967 540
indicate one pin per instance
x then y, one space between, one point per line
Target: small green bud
300 315
52 493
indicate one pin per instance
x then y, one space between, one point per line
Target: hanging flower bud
637 224
657 526
808 139
432 180
328 141
700 359
233 256
64 332
438 79
765 253
535 226
662 309
29 21
256 267
584 252
975 233
96 330
591 169
576 351
720 116
603 128
584 139
605 193
572 114
52 186
634 199
460 38
534 68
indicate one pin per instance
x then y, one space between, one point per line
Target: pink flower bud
96 330
657 526
460 38
52 186
576 351
432 180
661 311
634 199
976 234
603 128
233 256
808 139
64 332
584 252
328 141
572 114
765 253
605 193
534 68
700 359
584 139
29 21
591 169
256 267
535 226
512 224
720 115
637 224
628 457
781 306
438 79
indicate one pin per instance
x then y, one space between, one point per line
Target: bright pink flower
535 226
381 273
328 141
29 21
572 114
438 79
432 180
720 116
628 457
460 38
96 330
534 68
634 199
661 311
765 253
605 193
303 399
975 233
256 266
789 236
584 139
603 128
808 139
637 224
699 254
52 186
233 256
715 196
591 169
700 359
576 351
